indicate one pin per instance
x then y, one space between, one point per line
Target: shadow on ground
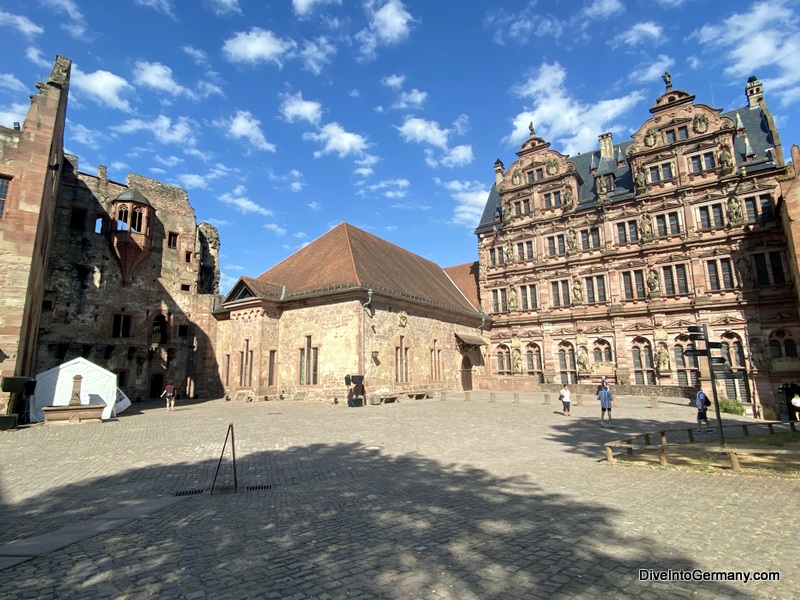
342 521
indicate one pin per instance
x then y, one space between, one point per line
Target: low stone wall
522 384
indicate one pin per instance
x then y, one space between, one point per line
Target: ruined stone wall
163 329
30 160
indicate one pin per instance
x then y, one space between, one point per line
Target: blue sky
283 118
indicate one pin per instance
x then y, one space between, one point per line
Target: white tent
98 386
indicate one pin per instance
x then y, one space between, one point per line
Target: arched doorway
156 385
466 374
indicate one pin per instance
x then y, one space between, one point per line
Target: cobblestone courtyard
419 499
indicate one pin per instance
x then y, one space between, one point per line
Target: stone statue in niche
726 160
402 318
700 123
650 138
640 180
551 166
517 362
734 210
509 253
512 299
572 241
577 292
662 361
569 201
583 361
646 227
602 185
745 274
652 281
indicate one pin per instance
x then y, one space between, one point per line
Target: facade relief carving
700 123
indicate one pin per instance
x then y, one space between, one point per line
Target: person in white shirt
566 400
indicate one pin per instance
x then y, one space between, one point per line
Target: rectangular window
556 198
495 301
528 297
401 362
668 224
530 176
526 206
188 257
529 249
272 357
520 251
185 287
183 331
670 136
227 369
122 378
633 284
539 174
661 225
655 174
595 289
720 274
560 291
708 161
769 268
518 208
121 326
492 259
77 218
501 257
683 133
172 239
590 238
660 172
4 184
504 300
627 231
499 300
675 281
308 363
556 245
758 208
99 224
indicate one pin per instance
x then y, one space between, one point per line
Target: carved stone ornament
551 166
515 178
700 123
402 318
650 138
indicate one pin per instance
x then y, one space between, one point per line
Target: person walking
796 406
605 397
702 403
169 394
566 400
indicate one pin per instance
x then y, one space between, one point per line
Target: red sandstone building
595 265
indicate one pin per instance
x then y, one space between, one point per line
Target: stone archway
466 374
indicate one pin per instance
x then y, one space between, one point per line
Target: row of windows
670 280
712 216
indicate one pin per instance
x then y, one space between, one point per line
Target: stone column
75 397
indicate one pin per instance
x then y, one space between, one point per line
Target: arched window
733 352
122 218
160 331
503 360
601 350
136 220
686 366
534 362
643 371
781 345
566 363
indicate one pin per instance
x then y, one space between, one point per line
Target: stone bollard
444 396
75 397
467 396
578 399
653 402
516 398
546 399
492 397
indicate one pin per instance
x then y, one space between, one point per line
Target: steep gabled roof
349 258
466 278
247 288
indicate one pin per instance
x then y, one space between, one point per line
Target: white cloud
9 82
277 229
217 222
645 33
197 55
458 156
76 27
603 9
520 27
388 25
337 140
419 130
303 8
365 165
256 46
391 188
83 135
394 81
315 55
233 268
193 181
157 77
652 70
315 206
21 23
560 117
461 125
244 126
36 57
164 6
165 131
103 87
766 37
470 197
13 113
294 108
169 161
412 99
241 203
694 62
223 7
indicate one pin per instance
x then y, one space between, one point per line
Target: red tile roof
347 257
466 278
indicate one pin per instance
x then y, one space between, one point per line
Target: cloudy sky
283 118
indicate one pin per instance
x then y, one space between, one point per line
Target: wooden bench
417 395
376 399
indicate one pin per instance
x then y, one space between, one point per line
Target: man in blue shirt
604 395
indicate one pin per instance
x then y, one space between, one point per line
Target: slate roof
757 132
347 258
131 195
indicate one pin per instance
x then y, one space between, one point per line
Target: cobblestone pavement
430 499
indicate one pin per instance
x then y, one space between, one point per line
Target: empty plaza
418 499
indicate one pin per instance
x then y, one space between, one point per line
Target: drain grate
258 488
189 493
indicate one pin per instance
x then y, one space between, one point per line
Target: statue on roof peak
530 128
667 79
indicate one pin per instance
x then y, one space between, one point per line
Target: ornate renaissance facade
595 265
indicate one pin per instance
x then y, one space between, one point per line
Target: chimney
102 174
606 146
498 171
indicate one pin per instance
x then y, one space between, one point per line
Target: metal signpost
699 333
